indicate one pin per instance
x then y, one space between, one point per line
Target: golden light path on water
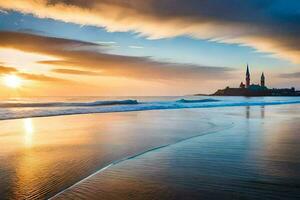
28 132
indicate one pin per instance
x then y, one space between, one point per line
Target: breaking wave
71 104
197 101
27 110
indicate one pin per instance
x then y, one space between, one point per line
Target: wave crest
25 110
197 100
72 104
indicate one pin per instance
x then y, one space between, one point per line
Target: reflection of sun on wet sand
28 132
41 157
45 155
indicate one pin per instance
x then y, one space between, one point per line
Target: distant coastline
255 90
253 93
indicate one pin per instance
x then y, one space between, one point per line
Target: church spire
247 77
262 80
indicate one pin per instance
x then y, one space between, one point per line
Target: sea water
54 106
255 158
206 147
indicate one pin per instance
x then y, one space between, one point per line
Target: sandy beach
240 152
257 158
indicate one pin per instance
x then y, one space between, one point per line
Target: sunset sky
145 47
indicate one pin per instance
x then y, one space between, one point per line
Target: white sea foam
68 104
17 110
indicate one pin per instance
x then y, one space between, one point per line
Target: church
248 89
250 86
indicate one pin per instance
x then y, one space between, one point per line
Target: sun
12 81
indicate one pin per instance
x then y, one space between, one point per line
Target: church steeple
247 77
262 80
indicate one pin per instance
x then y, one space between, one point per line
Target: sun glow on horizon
12 81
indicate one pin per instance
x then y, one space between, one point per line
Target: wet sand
40 157
228 153
258 158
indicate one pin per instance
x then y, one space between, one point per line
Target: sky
149 47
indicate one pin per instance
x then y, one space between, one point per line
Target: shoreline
145 107
75 148
114 163
231 163
234 162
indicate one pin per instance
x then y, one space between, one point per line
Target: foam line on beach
137 155
7 115
68 104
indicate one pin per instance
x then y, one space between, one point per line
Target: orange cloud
7 70
42 77
76 72
31 77
251 23
87 58
108 74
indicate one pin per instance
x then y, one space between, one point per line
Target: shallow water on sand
42 156
258 158
240 152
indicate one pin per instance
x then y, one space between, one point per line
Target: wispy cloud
78 57
76 72
136 47
42 77
31 31
109 44
290 75
263 25
106 42
28 76
7 70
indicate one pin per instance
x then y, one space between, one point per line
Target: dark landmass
201 95
249 92
255 90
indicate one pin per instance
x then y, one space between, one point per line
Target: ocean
55 106
150 148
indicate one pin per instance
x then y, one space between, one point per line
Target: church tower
247 77
262 80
